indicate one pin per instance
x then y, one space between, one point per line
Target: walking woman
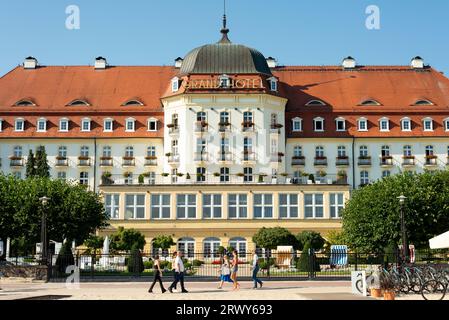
234 269
225 272
157 275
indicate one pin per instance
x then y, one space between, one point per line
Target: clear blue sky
155 32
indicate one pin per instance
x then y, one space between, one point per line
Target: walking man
179 269
256 270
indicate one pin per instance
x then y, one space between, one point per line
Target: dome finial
224 30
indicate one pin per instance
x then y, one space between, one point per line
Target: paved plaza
272 290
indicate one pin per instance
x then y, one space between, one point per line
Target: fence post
311 259
356 261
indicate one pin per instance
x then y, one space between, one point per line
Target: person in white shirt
256 270
179 270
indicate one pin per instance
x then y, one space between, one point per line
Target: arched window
133 102
85 124
384 124
41 125
238 244
423 102
340 124
210 247
315 103
130 125
370 102
362 124
24 103
296 124
78 102
187 245
427 124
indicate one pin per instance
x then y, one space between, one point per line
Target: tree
271 238
335 237
163 242
125 239
65 258
42 167
135 261
304 262
312 238
30 166
371 219
94 243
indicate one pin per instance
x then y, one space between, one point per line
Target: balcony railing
342 161
386 161
16 162
277 157
320 161
215 179
173 129
61 162
298 161
128 161
83 161
408 161
431 161
224 156
364 161
275 128
173 159
106 162
150 161
201 156
224 127
248 127
248 156
201 127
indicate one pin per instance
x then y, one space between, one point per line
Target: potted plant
168 154
284 174
165 174
188 176
375 289
322 173
180 174
388 286
311 178
106 178
217 174
127 174
261 177
170 125
141 178
204 124
240 174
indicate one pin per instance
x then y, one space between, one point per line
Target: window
446 124
362 124
224 81
238 244
224 148
237 206
248 117
201 146
174 147
129 178
17 175
319 152
263 206
247 174
318 124
384 124
247 145
210 246
186 206
200 174
407 151
296 124
364 178
288 206
273 84
112 205
19 125
79 102
174 119
160 206
108 125
18 152
370 102
429 150
336 204
386 173
129 152
224 118
42 125
62 152
212 206
314 205
341 151
201 116
151 151
428 124
224 174
175 84
315 103
423 102
1 125
84 178
107 152
130 125
174 175
340 124
62 175
85 125
151 177
385 151
152 125
297 151
133 103
134 206
187 245
64 125
406 124
84 151
24 103
363 151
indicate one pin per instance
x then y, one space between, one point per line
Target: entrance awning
440 242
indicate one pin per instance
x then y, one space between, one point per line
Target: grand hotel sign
224 83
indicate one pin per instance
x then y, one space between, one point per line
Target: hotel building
225 141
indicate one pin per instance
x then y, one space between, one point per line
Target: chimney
30 63
100 63
349 63
272 63
178 62
417 63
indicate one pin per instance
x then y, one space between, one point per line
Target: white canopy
440 242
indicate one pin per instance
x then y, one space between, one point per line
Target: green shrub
65 257
264 263
187 265
165 265
197 263
148 264
135 261
303 263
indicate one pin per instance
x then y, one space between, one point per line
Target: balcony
320 161
173 129
224 157
150 161
106 162
276 158
386 161
248 127
275 128
173 159
298 161
201 127
16 161
201 157
224 127
62 162
83 161
431 161
364 161
342 161
128 161
248 157
408 161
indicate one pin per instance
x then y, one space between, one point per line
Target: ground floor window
314 205
187 246
84 178
263 206
186 206
134 206
239 244
112 205
160 206
210 246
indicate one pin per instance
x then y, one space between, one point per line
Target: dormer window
318 124
85 125
370 102
41 125
24 103
315 103
19 125
130 125
133 103
340 124
273 84
225 81
427 124
384 124
175 84
362 124
108 125
152 124
79 102
423 102
64 125
296 124
446 124
1 125
406 124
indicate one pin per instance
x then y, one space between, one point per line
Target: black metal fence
281 266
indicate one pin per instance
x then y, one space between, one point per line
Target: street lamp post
44 246
403 229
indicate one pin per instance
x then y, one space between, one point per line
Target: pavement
272 290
